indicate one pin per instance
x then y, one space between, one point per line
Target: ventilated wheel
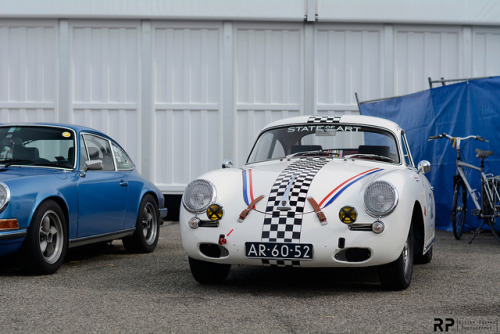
147 233
47 241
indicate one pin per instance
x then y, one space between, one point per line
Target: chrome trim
163 212
9 235
393 207
360 227
429 244
99 238
212 200
227 163
424 167
7 200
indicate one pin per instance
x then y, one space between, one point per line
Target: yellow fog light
9 224
215 212
348 215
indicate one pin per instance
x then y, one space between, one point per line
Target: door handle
124 183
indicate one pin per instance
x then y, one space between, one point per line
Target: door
102 194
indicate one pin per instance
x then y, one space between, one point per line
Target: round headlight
381 198
198 196
4 196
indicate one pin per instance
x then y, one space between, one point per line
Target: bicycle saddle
483 154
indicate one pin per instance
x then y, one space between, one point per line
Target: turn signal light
9 224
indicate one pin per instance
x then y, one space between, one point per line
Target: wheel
47 242
459 209
424 259
397 275
208 272
147 228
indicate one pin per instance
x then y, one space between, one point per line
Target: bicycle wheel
459 209
490 208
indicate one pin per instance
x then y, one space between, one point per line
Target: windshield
337 140
37 146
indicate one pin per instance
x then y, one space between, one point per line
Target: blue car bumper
163 212
11 241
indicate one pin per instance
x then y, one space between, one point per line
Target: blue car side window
99 148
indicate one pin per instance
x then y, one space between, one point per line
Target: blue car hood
22 172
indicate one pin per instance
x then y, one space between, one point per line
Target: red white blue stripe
332 196
247 186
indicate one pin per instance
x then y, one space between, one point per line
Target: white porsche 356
316 191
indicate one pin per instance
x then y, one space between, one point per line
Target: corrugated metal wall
182 95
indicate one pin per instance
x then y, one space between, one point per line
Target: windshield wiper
371 157
10 162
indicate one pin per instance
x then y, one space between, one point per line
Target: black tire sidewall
459 190
34 259
137 242
393 276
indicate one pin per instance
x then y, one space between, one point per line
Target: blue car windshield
42 146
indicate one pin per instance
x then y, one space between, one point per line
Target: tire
147 228
424 259
47 241
459 209
208 272
397 275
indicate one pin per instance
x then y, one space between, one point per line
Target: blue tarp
461 109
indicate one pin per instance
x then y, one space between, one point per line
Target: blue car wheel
47 241
145 237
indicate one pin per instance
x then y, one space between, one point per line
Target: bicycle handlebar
444 135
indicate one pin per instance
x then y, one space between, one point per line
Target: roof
77 128
346 119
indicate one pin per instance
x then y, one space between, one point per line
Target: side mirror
424 166
93 165
227 163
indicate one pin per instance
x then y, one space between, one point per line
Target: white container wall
182 87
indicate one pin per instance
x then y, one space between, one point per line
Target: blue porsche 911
64 186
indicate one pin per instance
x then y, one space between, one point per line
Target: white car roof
350 119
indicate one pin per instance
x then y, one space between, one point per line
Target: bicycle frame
484 185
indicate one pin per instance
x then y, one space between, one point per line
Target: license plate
273 250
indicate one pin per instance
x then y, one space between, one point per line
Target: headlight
4 196
381 198
198 196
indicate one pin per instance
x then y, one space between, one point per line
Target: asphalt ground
104 289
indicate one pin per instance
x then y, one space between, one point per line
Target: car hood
14 172
323 179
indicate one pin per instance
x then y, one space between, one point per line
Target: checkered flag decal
285 226
323 119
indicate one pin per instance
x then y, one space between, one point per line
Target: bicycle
487 207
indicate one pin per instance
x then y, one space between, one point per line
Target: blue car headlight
380 198
198 196
4 196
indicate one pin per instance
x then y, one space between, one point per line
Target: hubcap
51 237
406 260
149 223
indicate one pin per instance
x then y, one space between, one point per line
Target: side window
99 149
406 151
123 161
